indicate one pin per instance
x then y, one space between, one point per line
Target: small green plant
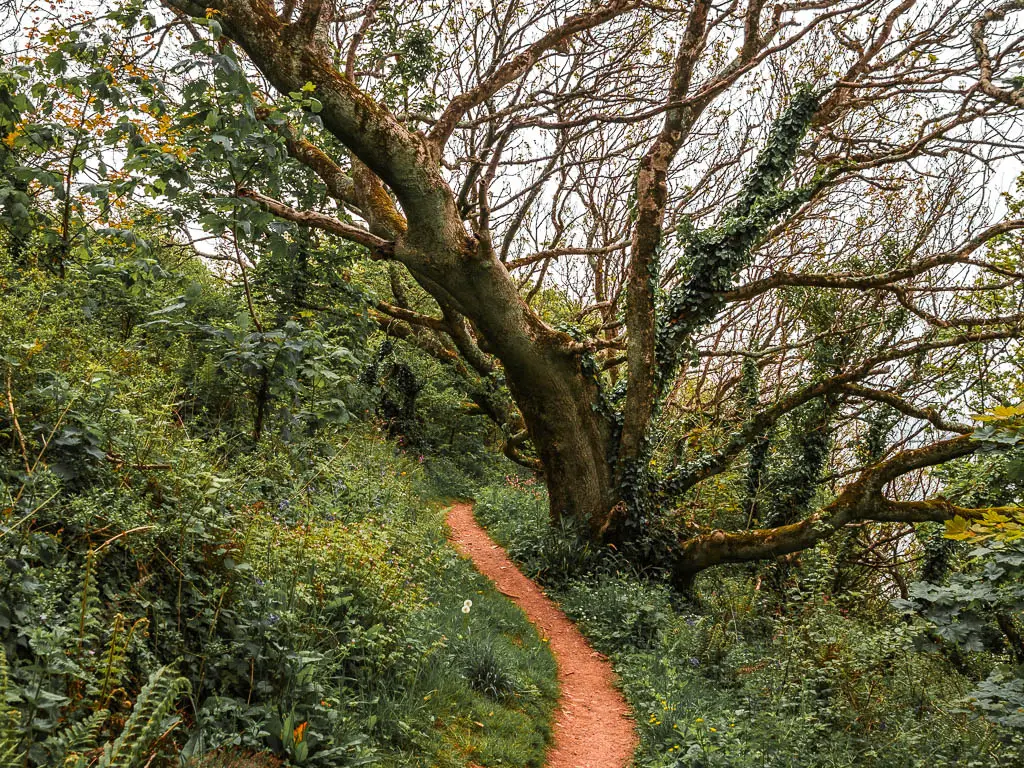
76 744
488 672
148 720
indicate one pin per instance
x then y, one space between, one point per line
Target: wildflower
465 608
299 731
11 138
467 605
713 730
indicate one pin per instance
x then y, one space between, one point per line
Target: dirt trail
592 725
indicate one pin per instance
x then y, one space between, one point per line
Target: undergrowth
734 677
175 592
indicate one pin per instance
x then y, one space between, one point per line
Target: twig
17 426
112 539
30 514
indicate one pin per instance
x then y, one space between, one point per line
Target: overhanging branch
1013 97
926 414
379 247
863 282
508 72
860 501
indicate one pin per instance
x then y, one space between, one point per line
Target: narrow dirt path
592 725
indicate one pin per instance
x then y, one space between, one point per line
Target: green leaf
958 529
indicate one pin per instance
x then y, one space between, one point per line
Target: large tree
768 229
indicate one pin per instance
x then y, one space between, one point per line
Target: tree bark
545 373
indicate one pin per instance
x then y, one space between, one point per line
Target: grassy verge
433 686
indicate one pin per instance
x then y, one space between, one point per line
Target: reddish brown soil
592 725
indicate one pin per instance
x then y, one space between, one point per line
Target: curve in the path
592 725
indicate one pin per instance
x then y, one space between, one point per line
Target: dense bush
286 596
733 676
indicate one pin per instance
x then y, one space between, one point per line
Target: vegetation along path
592 725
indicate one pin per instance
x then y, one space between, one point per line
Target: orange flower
300 729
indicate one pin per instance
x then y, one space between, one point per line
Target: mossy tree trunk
592 440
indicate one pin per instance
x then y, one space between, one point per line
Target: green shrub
299 584
737 677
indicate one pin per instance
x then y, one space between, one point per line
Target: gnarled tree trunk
594 446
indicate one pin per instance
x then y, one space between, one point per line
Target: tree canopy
659 244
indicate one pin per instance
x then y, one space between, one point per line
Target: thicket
801 671
217 549
210 551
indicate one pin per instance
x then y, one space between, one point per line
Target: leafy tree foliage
840 242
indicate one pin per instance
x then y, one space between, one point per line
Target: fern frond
109 676
65 746
90 605
154 703
11 756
